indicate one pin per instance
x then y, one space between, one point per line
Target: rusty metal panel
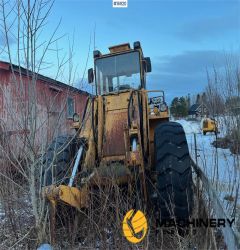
117 102
119 48
113 141
115 120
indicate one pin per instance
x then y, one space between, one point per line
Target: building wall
47 101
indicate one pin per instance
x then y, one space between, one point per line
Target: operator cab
122 69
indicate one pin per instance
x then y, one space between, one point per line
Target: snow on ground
220 166
190 127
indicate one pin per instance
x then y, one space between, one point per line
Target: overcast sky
182 38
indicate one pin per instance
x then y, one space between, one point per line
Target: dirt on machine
125 137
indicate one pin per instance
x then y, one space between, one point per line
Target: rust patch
115 121
113 141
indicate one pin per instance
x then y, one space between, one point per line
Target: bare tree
223 99
22 24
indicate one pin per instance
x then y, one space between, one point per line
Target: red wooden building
53 103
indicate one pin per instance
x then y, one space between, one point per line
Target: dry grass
98 227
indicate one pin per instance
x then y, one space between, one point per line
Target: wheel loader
209 125
124 131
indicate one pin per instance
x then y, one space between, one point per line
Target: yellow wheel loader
209 125
124 131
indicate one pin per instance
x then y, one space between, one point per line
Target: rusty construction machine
125 131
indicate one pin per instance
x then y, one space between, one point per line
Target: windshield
118 72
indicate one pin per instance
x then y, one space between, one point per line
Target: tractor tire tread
174 173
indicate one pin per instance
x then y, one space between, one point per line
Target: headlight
76 117
157 99
163 107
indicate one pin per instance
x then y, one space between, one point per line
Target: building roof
197 108
18 69
194 107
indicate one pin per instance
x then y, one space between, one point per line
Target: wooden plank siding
50 97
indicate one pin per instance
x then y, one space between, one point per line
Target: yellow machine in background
124 137
209 125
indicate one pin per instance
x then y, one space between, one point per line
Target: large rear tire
174 173
58 160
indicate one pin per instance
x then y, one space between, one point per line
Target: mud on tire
174 174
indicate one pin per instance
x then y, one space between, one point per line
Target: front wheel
57 166
58 160
174 173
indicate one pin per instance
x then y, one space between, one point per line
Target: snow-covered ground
220 166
